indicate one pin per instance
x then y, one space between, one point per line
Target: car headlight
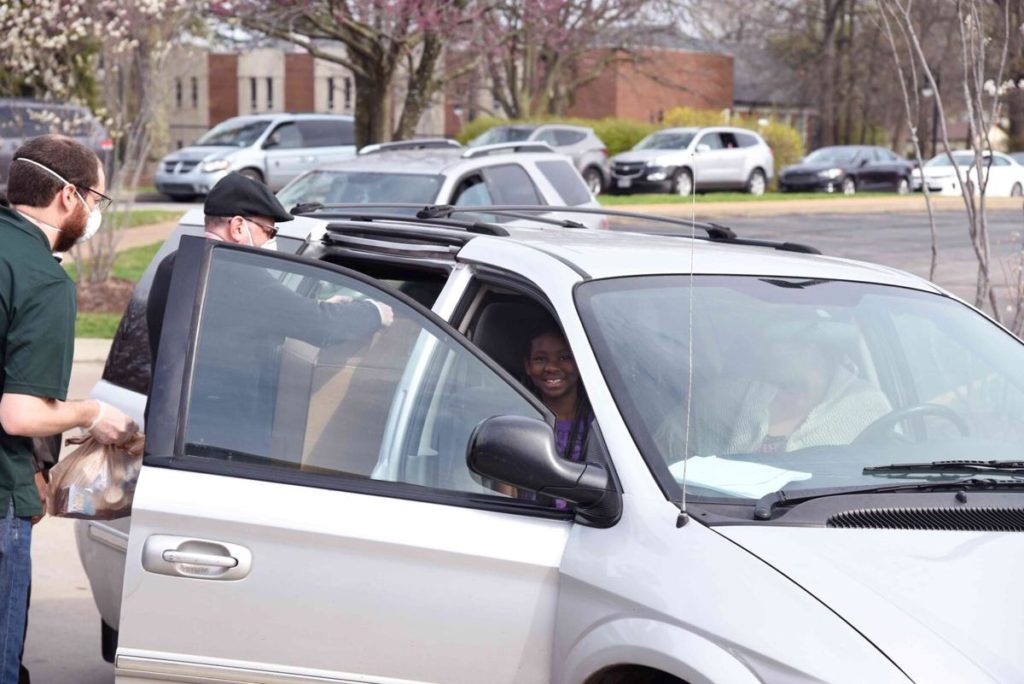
215 165
831 173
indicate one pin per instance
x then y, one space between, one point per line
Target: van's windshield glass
233 134
361 187
803 383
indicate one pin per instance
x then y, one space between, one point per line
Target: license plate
624 182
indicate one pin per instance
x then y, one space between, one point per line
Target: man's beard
72 229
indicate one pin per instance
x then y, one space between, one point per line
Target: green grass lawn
129 265
658 198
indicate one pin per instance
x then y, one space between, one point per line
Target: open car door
305 512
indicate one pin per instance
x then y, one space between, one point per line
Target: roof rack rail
498 148
365 214
438 214
715 232
418 144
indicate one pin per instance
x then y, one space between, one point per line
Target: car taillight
604 151
107 144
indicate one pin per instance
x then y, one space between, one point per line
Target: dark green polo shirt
37 343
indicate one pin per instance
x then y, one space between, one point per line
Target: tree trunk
420 87
373 109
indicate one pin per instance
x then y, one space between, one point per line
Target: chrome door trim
166 667
108 536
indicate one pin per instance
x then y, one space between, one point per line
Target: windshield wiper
765 506
950 466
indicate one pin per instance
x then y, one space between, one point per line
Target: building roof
759 79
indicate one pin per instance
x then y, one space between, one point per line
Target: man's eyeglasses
269 230
103 202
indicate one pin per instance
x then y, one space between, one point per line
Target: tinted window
510 184
548 136
729 141
326 133
564 136
321 387
999 161
746 139
566 180
473 192
502 134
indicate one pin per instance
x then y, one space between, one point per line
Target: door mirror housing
862 162
521 452
703 147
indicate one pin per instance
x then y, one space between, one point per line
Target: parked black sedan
848 169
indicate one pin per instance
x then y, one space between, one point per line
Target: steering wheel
881 429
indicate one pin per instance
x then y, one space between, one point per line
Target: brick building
646 86
210 86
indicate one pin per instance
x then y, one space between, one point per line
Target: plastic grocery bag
95 481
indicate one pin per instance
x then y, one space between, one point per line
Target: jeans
15 575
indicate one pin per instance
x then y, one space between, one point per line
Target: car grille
628 169
177 188
180 166
801 177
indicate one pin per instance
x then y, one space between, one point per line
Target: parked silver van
273 148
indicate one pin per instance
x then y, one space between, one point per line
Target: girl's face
550 366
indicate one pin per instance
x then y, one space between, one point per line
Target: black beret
236 195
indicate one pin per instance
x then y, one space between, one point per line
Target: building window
330 93
253 104
195 93
348 93
178 96
270 94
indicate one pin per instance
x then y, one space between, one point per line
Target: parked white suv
796 464
675 159
272 148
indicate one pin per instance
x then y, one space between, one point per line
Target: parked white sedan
1002 175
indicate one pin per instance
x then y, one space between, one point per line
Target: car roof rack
441 215
514 147
419 144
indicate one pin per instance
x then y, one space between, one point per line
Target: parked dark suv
21 119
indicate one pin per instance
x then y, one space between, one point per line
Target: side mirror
521 452
270 143
703 147
863 162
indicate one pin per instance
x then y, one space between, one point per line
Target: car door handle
195 558
200 559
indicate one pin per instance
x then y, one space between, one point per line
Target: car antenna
684 516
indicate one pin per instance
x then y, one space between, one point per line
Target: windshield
233 134
360 187
501 134
802 384
665 141
832 155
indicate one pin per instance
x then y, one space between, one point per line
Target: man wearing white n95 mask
55 189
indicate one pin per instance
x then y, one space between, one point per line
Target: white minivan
271 148
799 468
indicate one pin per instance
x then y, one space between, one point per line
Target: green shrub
479 126
688 116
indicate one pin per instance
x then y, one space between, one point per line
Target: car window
301 382
285 137
35 120
510 184
233 133
746 139
566 181
729 141
889 155
549 136
565 136
999 161
326 133
712 140
473 192
364 187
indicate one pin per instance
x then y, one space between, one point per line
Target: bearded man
55 190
